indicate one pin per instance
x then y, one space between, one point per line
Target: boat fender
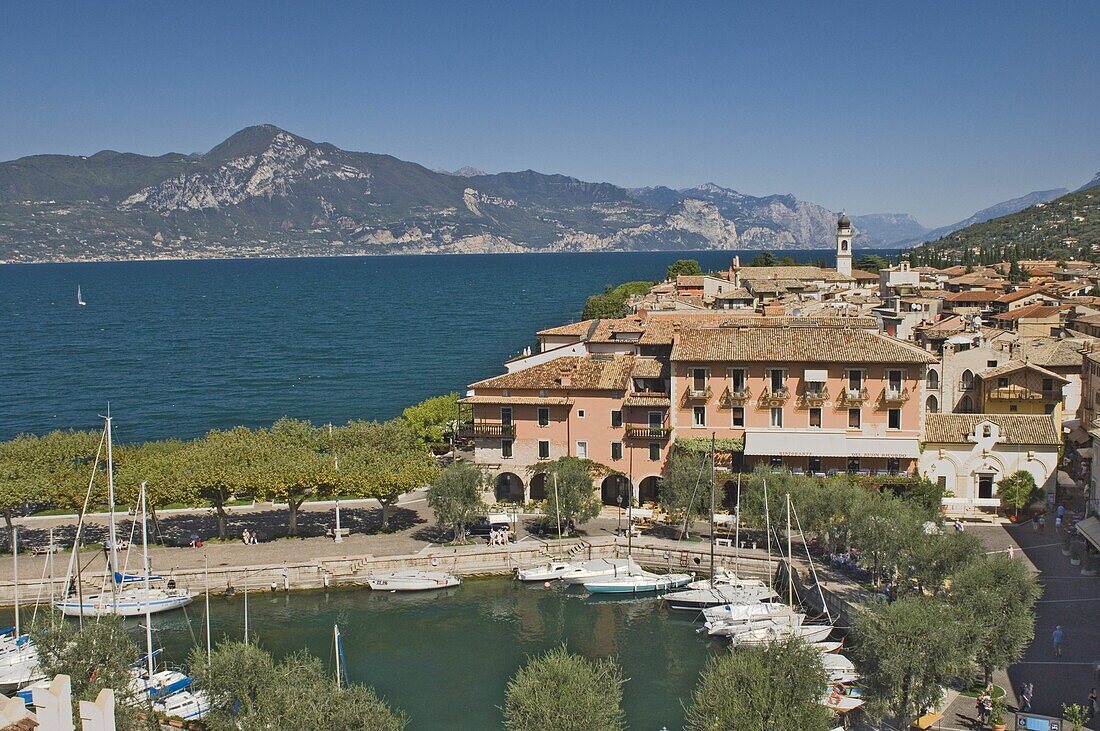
546 585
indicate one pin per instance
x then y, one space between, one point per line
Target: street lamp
619 501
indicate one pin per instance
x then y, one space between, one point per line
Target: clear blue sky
931 108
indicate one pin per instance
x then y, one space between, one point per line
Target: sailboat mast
206 586
145 562
336 650
246 614
768 527
737 529
557 507
713 444
790 556
15 572
113 535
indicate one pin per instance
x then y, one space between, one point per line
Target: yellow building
1019 387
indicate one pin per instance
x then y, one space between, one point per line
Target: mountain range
267 192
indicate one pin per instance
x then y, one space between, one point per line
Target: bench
341 532
926 721
726 542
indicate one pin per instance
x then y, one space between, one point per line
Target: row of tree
290 462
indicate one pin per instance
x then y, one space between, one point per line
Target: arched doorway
933 405
613 488
509 488
967 406
538 486
649 489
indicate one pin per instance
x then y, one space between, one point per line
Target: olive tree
772 688
685 487
455 497
570 489
565 692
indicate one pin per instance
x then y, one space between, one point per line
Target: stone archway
649 489
538 486
509 488
612 488
933 404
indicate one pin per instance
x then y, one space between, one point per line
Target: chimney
735 271
643 314
565 376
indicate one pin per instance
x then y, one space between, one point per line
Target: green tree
565 692
996 595
773 688
250 691
604 306
908 652
685 487
219 466
629 289
455 497
930 560
20 481
679 267
1016 274
787 261
1018 490
763 259
570 489
431 417
95 655
872 263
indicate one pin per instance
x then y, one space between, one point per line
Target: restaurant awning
818 443
1085 453
1090 529
1064 480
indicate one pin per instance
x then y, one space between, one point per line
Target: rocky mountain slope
883 229
267 192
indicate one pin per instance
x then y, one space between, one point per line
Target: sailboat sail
79 300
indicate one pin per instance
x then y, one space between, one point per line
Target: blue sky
931 108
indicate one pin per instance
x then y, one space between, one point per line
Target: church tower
844 245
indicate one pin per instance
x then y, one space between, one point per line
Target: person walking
1027 693
1058 635
1092 706
1042 524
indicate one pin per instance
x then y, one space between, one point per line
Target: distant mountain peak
1091 184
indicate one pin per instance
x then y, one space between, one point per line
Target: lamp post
337 537
619 502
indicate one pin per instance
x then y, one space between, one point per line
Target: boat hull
126 605
416 581
599 568
698 599
546 572
637 584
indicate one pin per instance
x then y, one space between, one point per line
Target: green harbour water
445 657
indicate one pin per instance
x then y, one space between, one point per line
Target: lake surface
181 347
446 658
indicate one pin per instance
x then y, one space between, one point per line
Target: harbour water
180 347
445 658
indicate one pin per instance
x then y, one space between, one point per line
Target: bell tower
844 245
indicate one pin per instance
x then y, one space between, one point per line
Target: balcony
895 395
854 395
489 431
775 397
695 394
734 397
647 432
1020 393
815 396
649 399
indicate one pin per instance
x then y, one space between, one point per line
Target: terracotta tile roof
585 373
648 368
861 275
734 294
573 328
977 280
1019 294
690 280
1015 365
1031 311
976 296
804 345
802 272
1037 429
517 400
652 401
1052 353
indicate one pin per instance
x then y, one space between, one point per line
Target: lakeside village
837 437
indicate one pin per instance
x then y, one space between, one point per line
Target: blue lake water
180 347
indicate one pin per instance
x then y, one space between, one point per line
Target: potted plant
1075 555
1074 715
997 714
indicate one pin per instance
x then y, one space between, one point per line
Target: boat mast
790 556
113 535
246 614
768 527
737 529
206 586
336 648
557 508
145 561
15 572
713 443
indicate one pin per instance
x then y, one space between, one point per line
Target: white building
968 454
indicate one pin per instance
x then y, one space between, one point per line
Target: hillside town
963 376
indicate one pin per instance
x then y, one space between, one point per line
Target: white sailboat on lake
79 299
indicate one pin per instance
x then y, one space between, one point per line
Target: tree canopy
685 488
572 497
430 418
1018 490
682 267
455 497
565 692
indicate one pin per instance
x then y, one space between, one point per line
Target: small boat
841 703
184 704
413 580
720 595
19 665
599 568
725 577
544 572
729 629
764 635
828 647
838 662
79 300
163 683
127 603
640 582
744 612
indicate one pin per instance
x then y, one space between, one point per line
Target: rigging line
694 492
74 558
817 582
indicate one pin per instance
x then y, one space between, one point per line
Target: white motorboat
744 612
828 647
765 635
720 595
640 582
725 577
412 580
599 568
729 629
185 704
163 683
838 662
545 572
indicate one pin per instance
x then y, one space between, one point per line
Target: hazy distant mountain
463 172
884 229
995 211
1092 183
267 192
